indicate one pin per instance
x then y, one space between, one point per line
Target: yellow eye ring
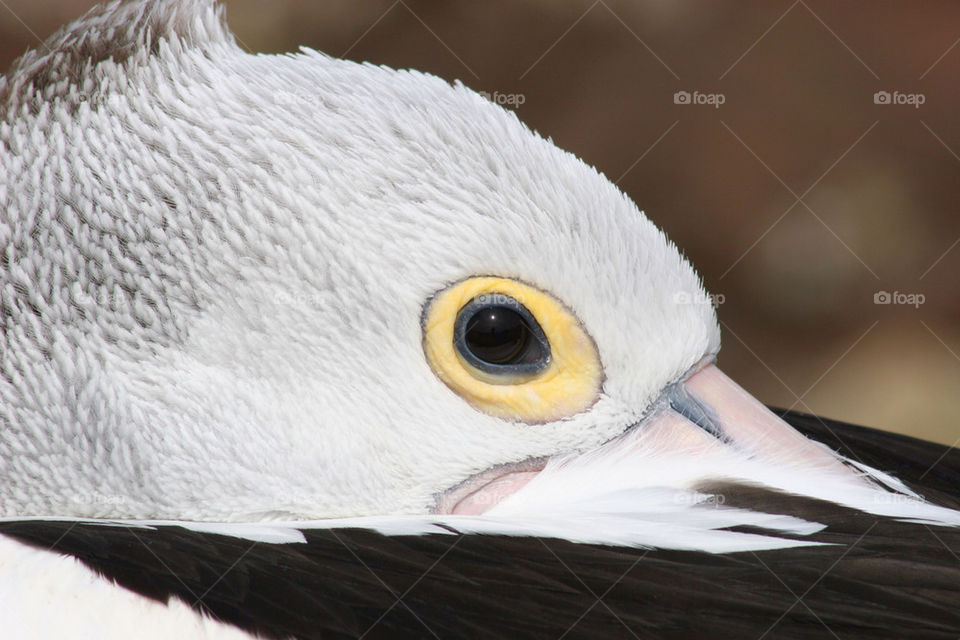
564 379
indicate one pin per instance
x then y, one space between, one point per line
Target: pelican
297 347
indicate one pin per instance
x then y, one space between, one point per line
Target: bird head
247 287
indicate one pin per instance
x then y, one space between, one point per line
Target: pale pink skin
752 426
748 424
492 493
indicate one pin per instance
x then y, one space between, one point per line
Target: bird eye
511 350
500 337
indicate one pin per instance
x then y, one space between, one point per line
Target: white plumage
213 270
213 292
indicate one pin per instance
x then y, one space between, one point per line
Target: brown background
797 199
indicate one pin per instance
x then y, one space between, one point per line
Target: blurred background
805 156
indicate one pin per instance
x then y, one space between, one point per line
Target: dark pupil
497 335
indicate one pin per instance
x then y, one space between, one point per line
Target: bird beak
715 404
691 417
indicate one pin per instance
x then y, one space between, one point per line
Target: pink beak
690 415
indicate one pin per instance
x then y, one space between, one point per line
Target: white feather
215 263
47 595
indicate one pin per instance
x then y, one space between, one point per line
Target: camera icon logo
681 97
882 297
881 97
